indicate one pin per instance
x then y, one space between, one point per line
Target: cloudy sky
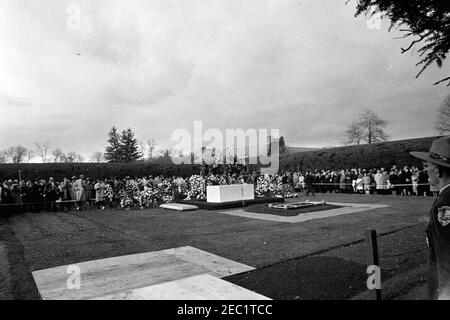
306 67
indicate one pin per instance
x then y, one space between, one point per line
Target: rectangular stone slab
178 206
118 274
200 287
229 193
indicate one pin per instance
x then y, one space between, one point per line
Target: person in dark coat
6 199
348 182
423 183
24 195
37 195
437 163
51 194
309 183
393 179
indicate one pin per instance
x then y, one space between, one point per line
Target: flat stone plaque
178 206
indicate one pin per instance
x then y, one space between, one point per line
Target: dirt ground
317 259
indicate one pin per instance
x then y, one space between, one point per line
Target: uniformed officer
437 163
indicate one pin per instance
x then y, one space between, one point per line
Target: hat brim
425 156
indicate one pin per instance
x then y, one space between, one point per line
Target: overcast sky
306 67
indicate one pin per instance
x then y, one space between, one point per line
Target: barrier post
372 257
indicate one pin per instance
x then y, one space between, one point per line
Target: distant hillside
363 156
300 149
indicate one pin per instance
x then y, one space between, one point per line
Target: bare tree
30 154
3 157
16 154
42 150
354 133
369 127
71 157
148 148
143 149
58 155
79 158
98 157
442 123
64 158
373 127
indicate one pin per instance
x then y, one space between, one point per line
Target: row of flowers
273 186
144 193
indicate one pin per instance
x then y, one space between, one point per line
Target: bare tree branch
42 150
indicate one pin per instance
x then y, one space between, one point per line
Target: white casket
227 193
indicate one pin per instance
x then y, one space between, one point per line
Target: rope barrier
38 203
351 184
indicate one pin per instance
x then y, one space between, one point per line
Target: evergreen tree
130 150
443 117
426 21
113 152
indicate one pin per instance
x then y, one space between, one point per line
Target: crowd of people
398 181
144 192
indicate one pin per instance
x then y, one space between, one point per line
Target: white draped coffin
227 193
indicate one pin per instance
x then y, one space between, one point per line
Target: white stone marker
227 193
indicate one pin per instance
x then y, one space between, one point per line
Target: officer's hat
439 152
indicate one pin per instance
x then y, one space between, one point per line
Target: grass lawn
325 256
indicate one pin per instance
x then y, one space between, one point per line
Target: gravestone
229 193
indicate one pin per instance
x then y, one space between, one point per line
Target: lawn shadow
312 278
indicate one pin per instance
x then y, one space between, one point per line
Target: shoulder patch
444 215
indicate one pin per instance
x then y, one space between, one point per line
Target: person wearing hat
437 164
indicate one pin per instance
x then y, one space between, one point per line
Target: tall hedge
374 155
93 170
384 154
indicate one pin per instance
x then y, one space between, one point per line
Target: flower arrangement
146 197
130 195
196 188
262 186
167 198
164 190
267 184
125 201
109 194
182 187
145 193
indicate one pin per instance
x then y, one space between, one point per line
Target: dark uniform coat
438 238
